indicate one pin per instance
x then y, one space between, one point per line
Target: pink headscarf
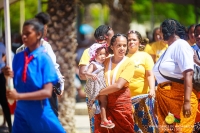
93 49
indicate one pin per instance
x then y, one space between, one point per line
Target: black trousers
4 102
54 103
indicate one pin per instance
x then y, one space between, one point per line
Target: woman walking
176 103
142 84
34 75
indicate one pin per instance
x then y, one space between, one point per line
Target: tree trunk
120 15
62 37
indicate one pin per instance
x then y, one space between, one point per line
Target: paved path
82 124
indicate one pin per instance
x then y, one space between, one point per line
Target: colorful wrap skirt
197 120
169 99
91 113
119 110
144 116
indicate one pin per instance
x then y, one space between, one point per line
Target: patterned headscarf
93 49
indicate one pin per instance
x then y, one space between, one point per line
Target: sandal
108 124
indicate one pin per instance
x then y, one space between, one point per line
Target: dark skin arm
188 74
45 92
82 72
114 87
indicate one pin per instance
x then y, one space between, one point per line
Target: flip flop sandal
108 124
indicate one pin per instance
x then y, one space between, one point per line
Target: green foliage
183 13
99 14
95 14
30 10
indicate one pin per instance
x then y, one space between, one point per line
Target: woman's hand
7 72
94 76
12 94
151 93
188 75
186 109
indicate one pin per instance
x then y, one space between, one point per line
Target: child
34 75
96 82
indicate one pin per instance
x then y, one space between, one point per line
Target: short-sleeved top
147 48
125 70
195 47
40 70
177 58
139 83
85 58
157 49
52 55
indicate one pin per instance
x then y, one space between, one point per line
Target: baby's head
98 52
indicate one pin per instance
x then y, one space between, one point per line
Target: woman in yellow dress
143 82
118 72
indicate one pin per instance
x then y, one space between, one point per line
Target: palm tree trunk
62 37
120 15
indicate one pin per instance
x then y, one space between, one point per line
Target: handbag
195 79
56 88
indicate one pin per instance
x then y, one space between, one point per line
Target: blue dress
34 116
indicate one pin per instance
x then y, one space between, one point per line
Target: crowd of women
137 91
142 92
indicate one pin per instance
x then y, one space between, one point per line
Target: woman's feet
108 124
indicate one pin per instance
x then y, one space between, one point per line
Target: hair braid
170 27
43 18
101 31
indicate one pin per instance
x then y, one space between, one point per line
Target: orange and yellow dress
119 107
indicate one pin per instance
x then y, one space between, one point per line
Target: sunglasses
102 38
117 35
131 31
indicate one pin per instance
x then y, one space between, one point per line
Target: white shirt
177 58
52 55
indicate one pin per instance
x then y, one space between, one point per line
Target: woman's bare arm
82 72
45 92
114 87
187 74
151 81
